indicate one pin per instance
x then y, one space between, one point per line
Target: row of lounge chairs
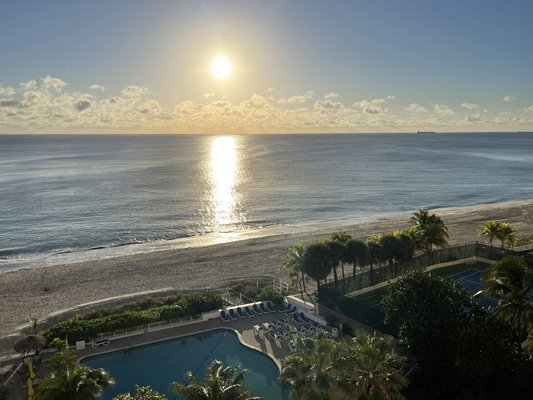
234 314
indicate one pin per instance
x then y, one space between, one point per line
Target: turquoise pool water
159 364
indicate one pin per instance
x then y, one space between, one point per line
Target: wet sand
41 291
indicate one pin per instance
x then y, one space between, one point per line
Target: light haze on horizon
297 66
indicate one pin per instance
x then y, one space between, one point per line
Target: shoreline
214 238
39 292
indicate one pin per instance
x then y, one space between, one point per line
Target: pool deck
243 327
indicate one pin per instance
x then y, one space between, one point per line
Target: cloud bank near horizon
48 105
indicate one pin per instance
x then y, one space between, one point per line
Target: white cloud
209 95
298 99
416 108
270 90
530 108
97 88
473 118
331 95
443 110
51 83
390 97
470 106
509 99
327 105
134 91
372 107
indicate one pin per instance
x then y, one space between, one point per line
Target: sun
221 67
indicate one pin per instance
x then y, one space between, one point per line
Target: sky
298 66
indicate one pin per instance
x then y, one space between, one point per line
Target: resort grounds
41 292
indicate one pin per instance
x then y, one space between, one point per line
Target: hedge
129 317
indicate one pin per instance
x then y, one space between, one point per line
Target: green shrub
271 295
134 315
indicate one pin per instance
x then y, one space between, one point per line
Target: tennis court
472 280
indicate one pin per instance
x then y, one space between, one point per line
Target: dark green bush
134 315
271 295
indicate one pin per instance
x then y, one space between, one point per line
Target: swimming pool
159 364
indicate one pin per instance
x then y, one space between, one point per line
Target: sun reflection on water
224 177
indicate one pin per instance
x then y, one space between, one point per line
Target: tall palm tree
431 229
372 368
336 250
295 263
505 234
375 252
311 370
357 252
343 239
220 383
390 247
317 261
78 383
489 230
508 282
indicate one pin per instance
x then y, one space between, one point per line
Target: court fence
339 296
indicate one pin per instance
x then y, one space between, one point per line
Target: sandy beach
41 291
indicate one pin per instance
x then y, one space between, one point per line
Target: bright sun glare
221 67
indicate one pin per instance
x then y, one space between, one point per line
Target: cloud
390 97
416 108
509 99
47 104
50 83
134 91
209 95
82 105
470 106
97 88
270 90
327 105
331 95
372 107
298 99
443 110
473 118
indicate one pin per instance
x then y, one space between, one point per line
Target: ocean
67 198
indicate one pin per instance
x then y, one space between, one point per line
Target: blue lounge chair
263 308
225 318
269 307
99 342
284 308
251 313
257 310
233 314
241 313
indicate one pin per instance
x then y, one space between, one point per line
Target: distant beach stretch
41 291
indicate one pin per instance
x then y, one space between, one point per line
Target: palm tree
390 247
490 230
375 252
505 234
336 250
431 230
220 383
508 282
317 261
372 368
343 239
357 252
295 263
311 370
141 393
78 383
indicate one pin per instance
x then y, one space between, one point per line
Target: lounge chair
99 342
249 312
241 313
277 323
257 309
284 308
269 307
225 318
263 308
233 314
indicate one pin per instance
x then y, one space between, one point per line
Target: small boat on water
425 131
